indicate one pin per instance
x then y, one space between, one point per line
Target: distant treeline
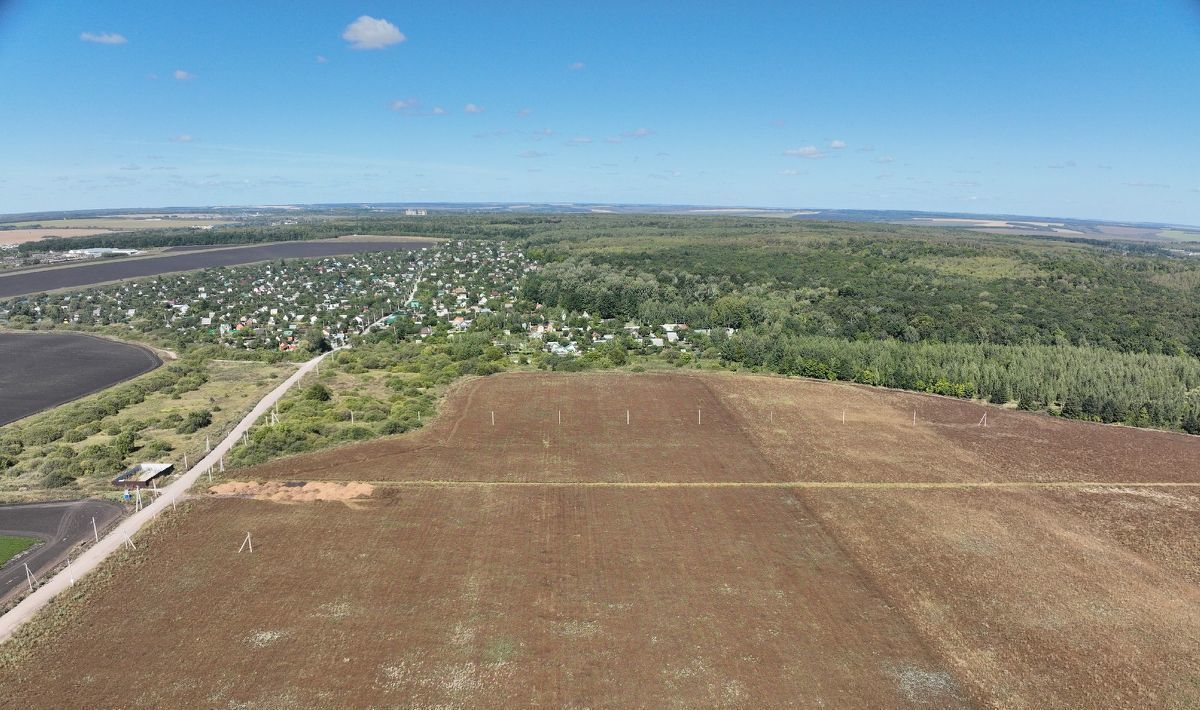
458 227
1080 383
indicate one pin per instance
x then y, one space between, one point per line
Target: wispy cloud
1062 166
614 139
836 144
580 140
473 108
408 107
524 112
543 133
637 133
321 59
576 66
885 159
103 37
533 154
181 75
182 138
790 171
1152 185
370 33
810 152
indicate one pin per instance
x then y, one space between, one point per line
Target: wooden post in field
70 573
983 421
95 530
627 417
493 417
222 464
129 543
185 466
914 417
138 505
352 417
28 576
207 443
843 416
210 474
697 416
247 542
560 417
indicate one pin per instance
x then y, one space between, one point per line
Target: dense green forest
1097 331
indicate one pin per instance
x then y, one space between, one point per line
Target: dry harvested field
765 555
20 236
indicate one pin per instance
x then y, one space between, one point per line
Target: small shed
140 475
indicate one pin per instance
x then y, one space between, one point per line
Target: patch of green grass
11 546
501 650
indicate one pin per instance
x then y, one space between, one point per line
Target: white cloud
473 108
580 140
406 105
837 144
790 171
103 38
438 111
321 59
614 139
182 138
1152 185
533 154
809 151
181 75
885 159
638 133
524 112
369 33
576 66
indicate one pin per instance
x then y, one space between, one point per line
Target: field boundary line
116 537
869 485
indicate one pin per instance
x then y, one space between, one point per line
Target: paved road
60 527
93 556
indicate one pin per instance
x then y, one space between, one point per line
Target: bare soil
766 555
20 236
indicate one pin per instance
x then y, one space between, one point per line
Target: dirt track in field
766 555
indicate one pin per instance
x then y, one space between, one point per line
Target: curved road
93 556
60 526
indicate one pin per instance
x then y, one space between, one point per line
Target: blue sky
1078 109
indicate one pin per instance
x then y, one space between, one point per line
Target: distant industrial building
103 251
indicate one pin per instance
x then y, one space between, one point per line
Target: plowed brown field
759 554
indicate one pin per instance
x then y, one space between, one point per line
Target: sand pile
294 492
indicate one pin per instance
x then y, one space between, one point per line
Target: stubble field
759 553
